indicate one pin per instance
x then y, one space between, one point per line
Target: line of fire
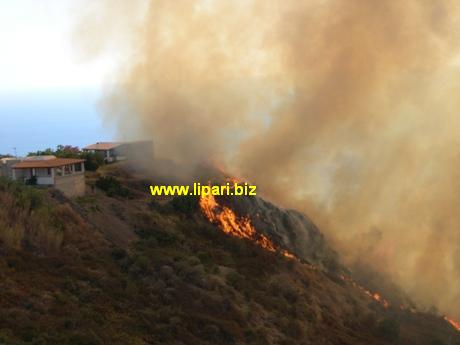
228 222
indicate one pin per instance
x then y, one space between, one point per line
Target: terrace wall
71 185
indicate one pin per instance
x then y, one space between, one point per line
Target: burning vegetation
374 295
227 220
453 323
236 226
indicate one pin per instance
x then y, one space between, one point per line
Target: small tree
92 160
47 152
67 151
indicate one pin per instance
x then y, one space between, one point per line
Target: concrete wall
71 185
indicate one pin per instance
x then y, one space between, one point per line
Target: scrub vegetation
109 270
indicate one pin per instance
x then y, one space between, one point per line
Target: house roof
9 159
46 163
39 158
103 146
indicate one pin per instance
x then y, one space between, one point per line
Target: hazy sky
37 50
45 86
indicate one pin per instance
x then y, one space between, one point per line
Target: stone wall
71 185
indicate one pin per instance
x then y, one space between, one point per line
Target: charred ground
116 267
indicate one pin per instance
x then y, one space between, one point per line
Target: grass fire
241 227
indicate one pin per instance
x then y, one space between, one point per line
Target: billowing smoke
344 109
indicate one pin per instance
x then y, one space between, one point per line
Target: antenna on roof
15 152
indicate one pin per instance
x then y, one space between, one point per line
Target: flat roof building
118 151
65 174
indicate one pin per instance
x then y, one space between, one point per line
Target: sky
48 93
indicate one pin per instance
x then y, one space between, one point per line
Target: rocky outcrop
290 229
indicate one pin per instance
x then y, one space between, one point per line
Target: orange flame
240 227
233 180
375 296
453 323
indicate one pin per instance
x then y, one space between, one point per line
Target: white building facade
65 174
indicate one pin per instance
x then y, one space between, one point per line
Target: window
49 171
67 169
77 167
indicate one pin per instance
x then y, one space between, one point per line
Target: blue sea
36 120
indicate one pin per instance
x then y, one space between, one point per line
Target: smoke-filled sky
344 109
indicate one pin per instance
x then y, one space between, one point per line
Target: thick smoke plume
347 110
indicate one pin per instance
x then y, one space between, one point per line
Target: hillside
116 267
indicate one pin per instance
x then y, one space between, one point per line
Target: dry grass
28 219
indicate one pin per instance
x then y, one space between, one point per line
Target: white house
65 174
109 151
117 151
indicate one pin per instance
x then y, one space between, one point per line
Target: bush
185 204
163 208
25 197
112 187
235 280
162 238
67 151
32 181
142 263
27 219
92 160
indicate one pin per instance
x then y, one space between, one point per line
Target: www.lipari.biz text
204 190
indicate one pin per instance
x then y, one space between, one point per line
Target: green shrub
89 202
162 208
112 187
24 197
92 160
164 238
142 262
28 219
235 280
32 181
67 151
185 204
